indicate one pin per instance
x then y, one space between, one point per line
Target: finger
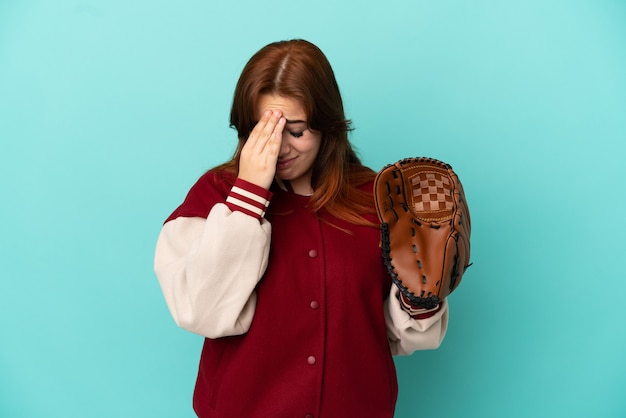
259 140
263 131
272 149
276 137
267 151
258 128
271 124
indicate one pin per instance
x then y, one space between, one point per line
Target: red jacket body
318 343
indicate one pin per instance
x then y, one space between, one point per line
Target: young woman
274 257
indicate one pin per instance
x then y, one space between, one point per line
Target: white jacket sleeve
208 270
406 334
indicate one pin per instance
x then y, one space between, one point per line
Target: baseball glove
425 234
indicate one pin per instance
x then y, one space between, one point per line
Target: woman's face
299 146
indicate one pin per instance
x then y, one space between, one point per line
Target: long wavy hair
298 69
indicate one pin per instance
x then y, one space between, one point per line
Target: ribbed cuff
414 311
248 198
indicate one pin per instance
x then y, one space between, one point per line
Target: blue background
110 110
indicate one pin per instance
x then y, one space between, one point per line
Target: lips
283 164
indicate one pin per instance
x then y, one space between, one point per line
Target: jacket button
313 253
311 360
314 304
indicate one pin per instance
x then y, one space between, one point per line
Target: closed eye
296 134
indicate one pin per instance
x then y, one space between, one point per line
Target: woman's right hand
259 155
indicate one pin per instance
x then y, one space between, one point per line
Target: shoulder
367 187
362 178
218 179
211 188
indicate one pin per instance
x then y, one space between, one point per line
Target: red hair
300 70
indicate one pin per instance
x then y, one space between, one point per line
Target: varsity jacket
299 314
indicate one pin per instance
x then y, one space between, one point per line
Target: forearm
423 330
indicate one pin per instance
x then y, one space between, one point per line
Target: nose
285 146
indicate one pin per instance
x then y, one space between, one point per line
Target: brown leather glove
425 235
